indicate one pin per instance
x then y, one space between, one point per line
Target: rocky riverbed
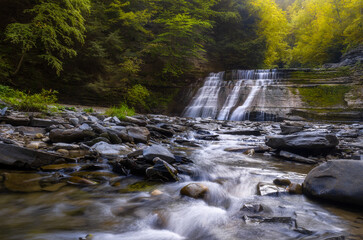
77 175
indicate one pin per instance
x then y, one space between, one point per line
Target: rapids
110 214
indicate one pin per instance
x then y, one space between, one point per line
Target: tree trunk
19 64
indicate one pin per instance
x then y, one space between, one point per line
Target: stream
231 209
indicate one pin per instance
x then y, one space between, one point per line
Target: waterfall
248 94
205 103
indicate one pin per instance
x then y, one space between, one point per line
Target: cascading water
205 103
248 93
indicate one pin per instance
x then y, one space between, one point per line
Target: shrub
121 111
136 96
88 110
28 102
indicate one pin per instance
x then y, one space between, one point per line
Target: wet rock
314 142
141 186
308 224
211 137
56 167
290 128
97 140
296 158
85 126
162 171
156 192
22 157
43 123
63 152
246 132
194 190
121 133
268 189
135 121
75 180
158 151
165 132
139 134
36 145
337 180
295 188
252 208
22 182
31 182
74 121
110 150
186 142
135 153
29 130
69 135
15 120
66 146
97 176
282 182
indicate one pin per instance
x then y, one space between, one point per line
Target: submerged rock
247 132
282 182
194 190
158 151
295 188
338 180
289 128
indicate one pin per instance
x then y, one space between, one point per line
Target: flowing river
232 209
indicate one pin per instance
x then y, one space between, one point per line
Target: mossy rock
57 167
142 186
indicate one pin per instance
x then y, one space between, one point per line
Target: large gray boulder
303 141
338 180
13 155
158 151
139 134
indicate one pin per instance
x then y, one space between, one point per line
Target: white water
205 103
208 98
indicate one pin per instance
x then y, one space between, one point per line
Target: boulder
312 143
290 128
69 135
139 134
194 190
162 171
158 151
135 121
22 157
338 180
110 150
163 131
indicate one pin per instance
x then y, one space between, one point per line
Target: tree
52 29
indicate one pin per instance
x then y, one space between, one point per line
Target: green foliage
323 30
53 28
28 102
121 111
324 95
136 96
88 110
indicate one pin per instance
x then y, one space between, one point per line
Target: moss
324 95
321 74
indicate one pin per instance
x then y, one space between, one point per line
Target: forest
113 48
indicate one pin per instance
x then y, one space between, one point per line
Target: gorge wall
333 94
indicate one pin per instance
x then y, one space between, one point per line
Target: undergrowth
121 111
27 102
